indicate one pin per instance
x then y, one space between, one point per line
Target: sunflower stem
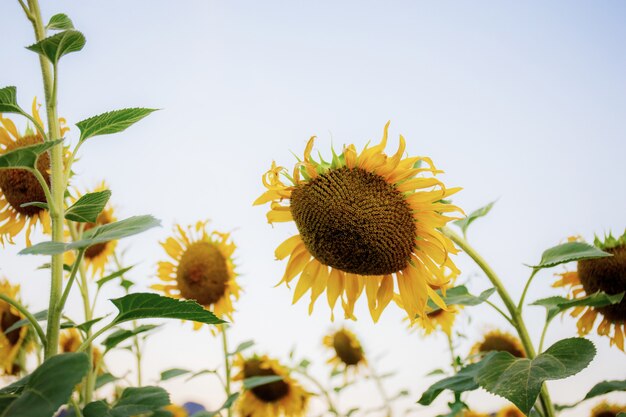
452 355
543 335
520 305
70 281
331 406
516 317
227 389
33 321
382 392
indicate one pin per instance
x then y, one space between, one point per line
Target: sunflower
471 413
363 218
348 350
70 340
202 269
176 410
440 319
18 186
600 274
510 411
497 340
605 409
13 342
96 256
279 398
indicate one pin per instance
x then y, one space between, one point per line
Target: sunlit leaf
569 252
473 216
133 402
25 157
60 21
111 122
173 373
8 100
87 208
55 46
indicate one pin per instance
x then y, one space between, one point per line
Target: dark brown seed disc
7 320
501 344
268 393
605 414
202 273
355 221
20 186
608 275
98 248
348 354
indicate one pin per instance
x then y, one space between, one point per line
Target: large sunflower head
362 219
284 397
13 342
498 341
347 349
605 409
510 411
600 274
201 268
18 186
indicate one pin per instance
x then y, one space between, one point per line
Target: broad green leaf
242 346
88 207
601 388
26 157
569 252
105 233
557 304
257 381
8 100
111 122
476 214
15 388
227 404
121 335
49 386
105 379
6 400
55 46
134 401
461 296
173 373
519 380
112 276
39 316
153 306
60 22
463 381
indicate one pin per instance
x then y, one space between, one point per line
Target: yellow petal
287 247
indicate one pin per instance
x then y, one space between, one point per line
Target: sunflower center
20 186
608 275
97 249
605 414
7 320
345 350
268 393
202 273
501 344
435 314
355 221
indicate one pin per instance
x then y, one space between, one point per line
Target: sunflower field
204 210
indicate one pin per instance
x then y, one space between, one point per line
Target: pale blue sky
524 102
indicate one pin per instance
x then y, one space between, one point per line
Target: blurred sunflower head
284 397
347 348
510 411
96 256
498 341
15 341
605 409
70 340
471 413
600 274
176 410
18 186
201 268
362 219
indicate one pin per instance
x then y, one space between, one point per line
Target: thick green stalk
516 317
57 183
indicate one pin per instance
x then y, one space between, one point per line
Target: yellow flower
201 269
177 410
18 186
280 398
70 340
601 274
363 219
510 411
499 341
605 409
348 350
441 319
10 343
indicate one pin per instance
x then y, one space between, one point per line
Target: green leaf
86 326
39 316
227 404
15 388
36 204
111 122
153 306
6 400
121 335
569 252
173 373
519 380
60 22
105 233
105 379
460 295
476 214
133 401
114 275
463 381
55 46
257 381
557 304
242 346
88 207
49 386
25 157
8 100
601 388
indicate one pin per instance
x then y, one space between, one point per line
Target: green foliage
112 276
105 233
105 379
8 100
60 21
601 388
121 335
227 404
26 157
49 386
39 316
460 296
473 216
569 252
88 207
241 347
111 122
146 306
519 380
55 46
257 381
133 401
173 373
557 304
464 380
